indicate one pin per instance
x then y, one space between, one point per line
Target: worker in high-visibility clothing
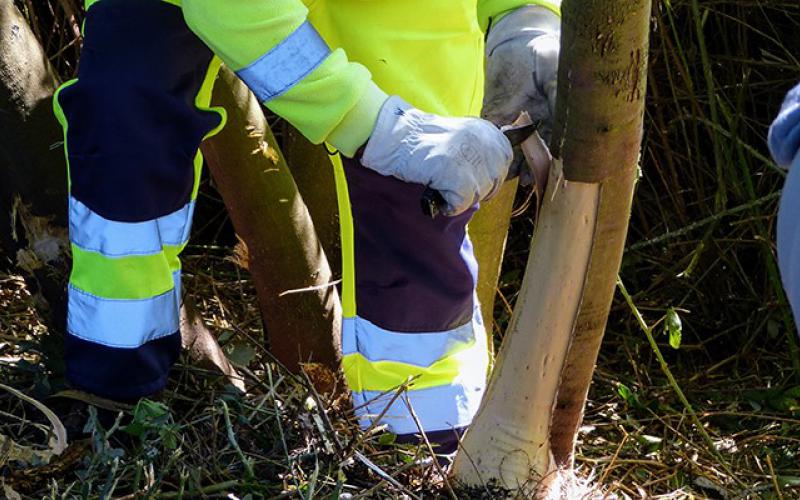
784 143
388 84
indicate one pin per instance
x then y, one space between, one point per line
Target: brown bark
488 231
312 170
299 304
603 83
33 186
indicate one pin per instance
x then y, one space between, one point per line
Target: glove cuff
384 151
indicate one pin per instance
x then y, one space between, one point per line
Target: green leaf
147 416
628 395
789 481
792 392
773 329
147 410
387 439
169 436
242 354
674 328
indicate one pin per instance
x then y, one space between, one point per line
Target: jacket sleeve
490 10
275 50
784 134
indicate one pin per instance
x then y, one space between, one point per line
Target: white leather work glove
522 67
465 159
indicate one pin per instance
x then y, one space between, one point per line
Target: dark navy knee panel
134 128
413 273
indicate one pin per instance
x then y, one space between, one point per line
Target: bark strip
488 231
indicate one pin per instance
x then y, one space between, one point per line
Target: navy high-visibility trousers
133 120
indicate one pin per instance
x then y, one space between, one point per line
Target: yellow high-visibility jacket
335 60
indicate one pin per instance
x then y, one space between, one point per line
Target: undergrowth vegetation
697 390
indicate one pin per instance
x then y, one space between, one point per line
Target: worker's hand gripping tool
532 169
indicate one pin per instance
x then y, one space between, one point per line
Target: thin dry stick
466 453
359 437
309 288
59 431
278 415
323 413
248 466
774 478
206 490
384 475
708 220
430 448
614 458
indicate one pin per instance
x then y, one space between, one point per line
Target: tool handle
432 202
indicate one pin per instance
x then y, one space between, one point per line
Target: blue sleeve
784 134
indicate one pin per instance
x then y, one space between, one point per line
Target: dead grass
700 244
282 440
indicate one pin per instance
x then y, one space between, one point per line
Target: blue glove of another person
522 67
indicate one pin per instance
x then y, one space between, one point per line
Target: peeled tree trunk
529 418
298 299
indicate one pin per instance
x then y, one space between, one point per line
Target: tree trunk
299 304
33 185
527 424
488 231
312 170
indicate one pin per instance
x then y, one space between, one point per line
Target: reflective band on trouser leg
285 64
91 231
133 121
415 319
447 370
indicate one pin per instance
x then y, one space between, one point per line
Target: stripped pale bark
527 423
299 304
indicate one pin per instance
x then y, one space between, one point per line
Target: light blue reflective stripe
468 256
126 324
419 349
437 408
95 233
286 64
